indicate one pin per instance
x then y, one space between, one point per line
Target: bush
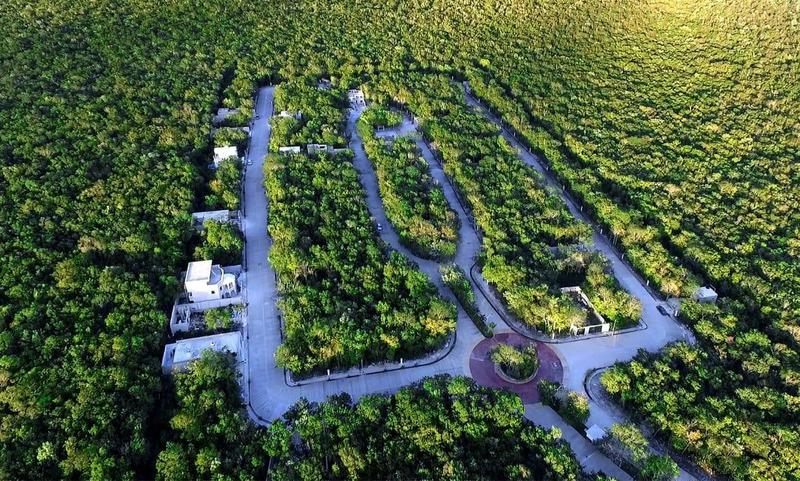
517 362
625 445
221 242
225 185
575 409
548 393
231 136
456 280
219 318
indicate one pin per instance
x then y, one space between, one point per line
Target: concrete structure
285 114
226 216
595 433
223 114
291 149
319 149
223 153
179 355
206 281
184 314
601 323
705 295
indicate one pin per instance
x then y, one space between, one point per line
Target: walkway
482 369
589 457
269 396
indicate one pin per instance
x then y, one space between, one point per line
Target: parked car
662 310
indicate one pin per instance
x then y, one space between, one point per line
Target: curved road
267 394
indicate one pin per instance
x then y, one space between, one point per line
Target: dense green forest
320 110
346 299
440 429
532 246
676 123
415 206
209 437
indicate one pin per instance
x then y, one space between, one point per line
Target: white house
285 114
319 148
178 355
206 281
292 149
705 295
223 114
222 153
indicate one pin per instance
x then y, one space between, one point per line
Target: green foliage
673 122
218 318
376 116
220 242
322 120
741 427
456 280
626 446
225 136
415 206
518 362
439 429
344 299
209 436
575 409
529 237
549 392
225 185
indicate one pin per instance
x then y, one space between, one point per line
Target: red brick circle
482 368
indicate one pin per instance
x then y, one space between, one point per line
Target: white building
222 153
223 216
285 114
178 355
320 148
292 149
705 295
206 281
223 114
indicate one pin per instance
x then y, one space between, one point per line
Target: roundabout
486 373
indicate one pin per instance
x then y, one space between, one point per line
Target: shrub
221 242
548 393
518 362
456 280
219 318
575 409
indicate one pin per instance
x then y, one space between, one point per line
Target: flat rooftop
187 350
199 270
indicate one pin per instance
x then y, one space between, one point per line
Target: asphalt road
267 393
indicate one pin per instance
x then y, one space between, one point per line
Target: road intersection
266 391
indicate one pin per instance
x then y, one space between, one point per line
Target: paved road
269 396
586 355
589 457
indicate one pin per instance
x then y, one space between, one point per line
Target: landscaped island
415 206
346 301
532 245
